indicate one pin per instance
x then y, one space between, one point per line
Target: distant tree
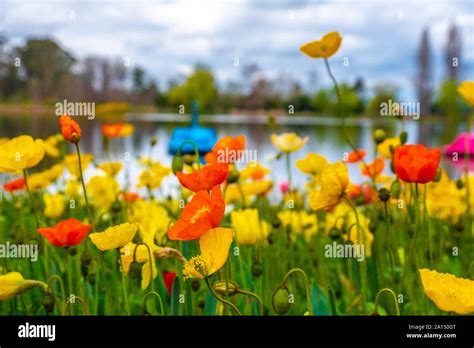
453 53
382 94
46 65
424 83
321 101
138 77
11 82
200 85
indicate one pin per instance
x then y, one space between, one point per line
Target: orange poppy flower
416 163
14 185
117 130
205 211
356 156
373 169
66 233
70 129
227 150
205 178
130 197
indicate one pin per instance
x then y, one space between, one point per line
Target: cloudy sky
169 37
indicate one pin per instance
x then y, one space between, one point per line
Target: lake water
324 133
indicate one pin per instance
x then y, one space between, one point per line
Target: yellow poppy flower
153 176
248 227
466 90
448 292
54 205
312 164
300 221
214 245
384 147
111 168
41 180
50 145
13 283
323 48
72 188
114 237
254 171
103 191
20 153
153 220
248 189
72 164
288 142
333 183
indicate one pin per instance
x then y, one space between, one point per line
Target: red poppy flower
168 278
14 185
205 178
356 156
70 129
416 163
205 211
66 233
227 150
373 169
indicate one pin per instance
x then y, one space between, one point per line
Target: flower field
399 242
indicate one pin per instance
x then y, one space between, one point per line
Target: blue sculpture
204 138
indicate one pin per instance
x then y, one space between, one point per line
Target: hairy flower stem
288 168
342 114
81 177
196 151
220 299
157 295
362 266
259 300
394 297
83 304
63 293
307 286
124 288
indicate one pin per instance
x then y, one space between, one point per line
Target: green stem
362 268
124 288
394 297
307 285
196 151
63 293
220 299
288 168
104 279
154 293
332 301
81 177
249 293
77 298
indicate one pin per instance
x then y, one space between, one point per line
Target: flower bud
84 270
392 166
379 136
71 250
276 222
335 233
403 137
411 230
195 285
153 141
233 176
223 288
257 269
86 257
48 302
372 226
459 184
280 300
437 178
189 159
135 270
116 206
271 238
177 164
91 278
395 189
384 194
